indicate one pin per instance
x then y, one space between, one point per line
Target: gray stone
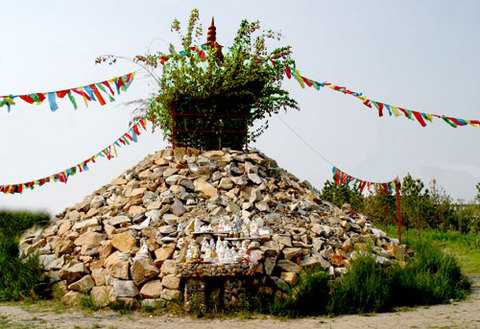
177 208
86 223
119 220
167 229
124 288
288 266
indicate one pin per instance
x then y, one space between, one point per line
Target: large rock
288 266
117 265
102 295
84 224
124 288
83 285
72 272
170 295
205 188
152 289
72 298
89 240
99 276
142 270
171 281
164 252
124 241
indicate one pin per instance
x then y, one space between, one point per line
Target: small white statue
189 253
244 248
204 245
195 251
220 250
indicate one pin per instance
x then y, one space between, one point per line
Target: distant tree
477 197
340 194
380 206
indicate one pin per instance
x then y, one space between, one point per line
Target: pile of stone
129 240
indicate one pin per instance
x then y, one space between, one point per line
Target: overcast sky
421 55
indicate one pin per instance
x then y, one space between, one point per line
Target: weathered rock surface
127 239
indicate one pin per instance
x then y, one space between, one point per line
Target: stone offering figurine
189 253
220 250
208 254
244 248
195 251
204 245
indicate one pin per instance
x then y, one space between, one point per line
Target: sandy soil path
464 314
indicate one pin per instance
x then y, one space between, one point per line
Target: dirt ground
465 314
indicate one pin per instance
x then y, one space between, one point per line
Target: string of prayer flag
93 92
421 117
109 152
342 178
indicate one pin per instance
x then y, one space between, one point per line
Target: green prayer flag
72 99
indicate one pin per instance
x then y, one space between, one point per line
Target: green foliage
19 278
14 223
87 303
225 93
364 288
430 277
464 246
421 207
309 296
340 194
477 196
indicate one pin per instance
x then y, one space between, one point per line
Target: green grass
19 278
464 246
430 277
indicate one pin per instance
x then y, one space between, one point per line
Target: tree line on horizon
421 206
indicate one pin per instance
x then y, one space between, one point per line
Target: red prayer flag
142 122
41 97
107 84
307 81
419 118
81 93
367 103
380 108
288 72
27 98
62 93
97 94
135 129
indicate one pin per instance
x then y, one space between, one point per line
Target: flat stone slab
200 269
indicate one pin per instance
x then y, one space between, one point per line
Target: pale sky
421 55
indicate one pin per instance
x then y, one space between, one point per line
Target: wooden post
399 216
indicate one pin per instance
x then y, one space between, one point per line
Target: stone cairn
219 224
